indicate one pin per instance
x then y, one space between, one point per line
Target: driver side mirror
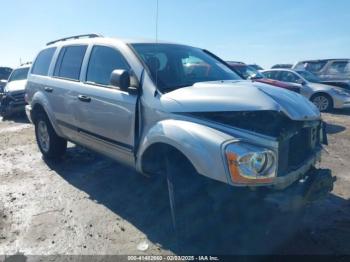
124 80
120 78
301 81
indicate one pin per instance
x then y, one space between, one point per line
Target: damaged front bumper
314 185
11 103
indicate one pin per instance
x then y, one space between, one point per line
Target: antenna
156 40
157 21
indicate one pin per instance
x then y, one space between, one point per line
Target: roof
323 60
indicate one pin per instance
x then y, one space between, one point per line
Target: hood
219 96
15 86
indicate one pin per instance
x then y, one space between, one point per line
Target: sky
265 32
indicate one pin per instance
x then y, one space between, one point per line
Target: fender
41 99
201 145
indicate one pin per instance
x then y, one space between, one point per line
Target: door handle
48 89
84 98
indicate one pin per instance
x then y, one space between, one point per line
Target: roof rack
74 37
26 63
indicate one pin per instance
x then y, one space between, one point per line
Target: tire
323 102
188 199
50 144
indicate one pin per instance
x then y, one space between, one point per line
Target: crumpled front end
11 103
299 145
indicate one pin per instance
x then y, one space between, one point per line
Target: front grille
17 97
294 151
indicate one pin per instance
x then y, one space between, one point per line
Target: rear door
65 86
105 114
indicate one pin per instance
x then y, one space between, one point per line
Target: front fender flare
202 145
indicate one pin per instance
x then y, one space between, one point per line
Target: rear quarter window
43 61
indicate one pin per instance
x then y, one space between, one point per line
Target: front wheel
49 143
323 102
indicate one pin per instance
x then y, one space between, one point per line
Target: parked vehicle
247 72
286 66
4 75
343 84
256 67
326 69
325 97
12 100
155 106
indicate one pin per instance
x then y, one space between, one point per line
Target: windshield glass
19 74
5 73
309 76
175 66
248 72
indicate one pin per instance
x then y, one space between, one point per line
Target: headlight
250 164
340 92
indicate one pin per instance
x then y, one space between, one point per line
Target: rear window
69 62
42 62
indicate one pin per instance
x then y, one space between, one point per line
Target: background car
256 67
282 66
325 97
248 72
12 100
4 75
326 69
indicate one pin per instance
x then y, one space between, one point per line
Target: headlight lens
250 164
340 92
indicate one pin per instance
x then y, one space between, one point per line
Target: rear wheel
323 102
50 144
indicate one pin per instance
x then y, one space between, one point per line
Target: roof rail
74 37
26 63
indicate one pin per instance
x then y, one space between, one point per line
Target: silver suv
326 69
154 105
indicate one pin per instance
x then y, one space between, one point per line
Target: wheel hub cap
43 136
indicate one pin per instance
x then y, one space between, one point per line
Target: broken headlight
250 164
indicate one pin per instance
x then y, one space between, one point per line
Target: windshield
5 73
248 72
175 66
309 76
19 74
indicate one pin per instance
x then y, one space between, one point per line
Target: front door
106 115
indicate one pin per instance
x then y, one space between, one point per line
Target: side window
288 77
271 74
339 67
69 62
42 62
314 66
103 61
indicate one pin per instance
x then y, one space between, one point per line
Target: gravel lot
88 204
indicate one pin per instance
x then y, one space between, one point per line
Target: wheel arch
324 94
199 144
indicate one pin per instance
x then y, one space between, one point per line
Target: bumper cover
28 110
10 104
315 185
